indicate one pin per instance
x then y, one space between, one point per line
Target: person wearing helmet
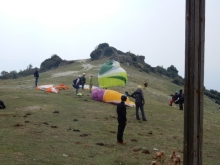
174 97
122 120
139 103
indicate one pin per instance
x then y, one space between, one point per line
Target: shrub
95 54
50 63
178 80
103 45
108 51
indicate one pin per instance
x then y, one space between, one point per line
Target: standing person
180 99
83 80
90 83
36 75
139 103
122 120
145 84
77 83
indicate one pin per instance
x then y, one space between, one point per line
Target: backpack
74 83
2 105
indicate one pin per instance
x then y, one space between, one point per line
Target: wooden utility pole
194 82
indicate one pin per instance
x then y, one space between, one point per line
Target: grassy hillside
84 130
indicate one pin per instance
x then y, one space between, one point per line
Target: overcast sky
31 31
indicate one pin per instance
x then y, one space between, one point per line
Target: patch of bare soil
29 108
68 73
64 73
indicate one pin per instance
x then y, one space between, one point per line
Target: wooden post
194 82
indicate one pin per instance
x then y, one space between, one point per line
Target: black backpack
2 105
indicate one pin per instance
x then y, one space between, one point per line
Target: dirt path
85 66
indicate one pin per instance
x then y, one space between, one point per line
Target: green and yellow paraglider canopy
112 74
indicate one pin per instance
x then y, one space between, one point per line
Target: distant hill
103 50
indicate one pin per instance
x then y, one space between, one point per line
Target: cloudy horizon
32 31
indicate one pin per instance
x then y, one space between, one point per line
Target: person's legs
137 114
181 106
142 112
36 81
90 88
121 128
82 86
77 90
171 102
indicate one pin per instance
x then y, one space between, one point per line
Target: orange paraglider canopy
62 86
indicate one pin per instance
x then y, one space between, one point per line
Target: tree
172 69
95 54
13 74
3 73
103 45
50 63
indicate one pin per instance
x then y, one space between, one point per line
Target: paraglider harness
180 99
74 84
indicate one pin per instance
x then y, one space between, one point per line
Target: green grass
27 136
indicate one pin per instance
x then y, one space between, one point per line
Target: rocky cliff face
104 50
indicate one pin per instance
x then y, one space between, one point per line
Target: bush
133 56
178 81
108 51
50 63
162 71
103 45
95 54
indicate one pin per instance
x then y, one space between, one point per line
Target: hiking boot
122 143
144 119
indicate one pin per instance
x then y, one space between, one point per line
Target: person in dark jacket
180 99
83 80
122 120
36 75
2 105
139 103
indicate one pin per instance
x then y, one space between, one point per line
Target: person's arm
177 99
77 82
133 95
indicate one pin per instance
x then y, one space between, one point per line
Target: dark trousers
181 106
121 128
82 85
140 105
36 81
